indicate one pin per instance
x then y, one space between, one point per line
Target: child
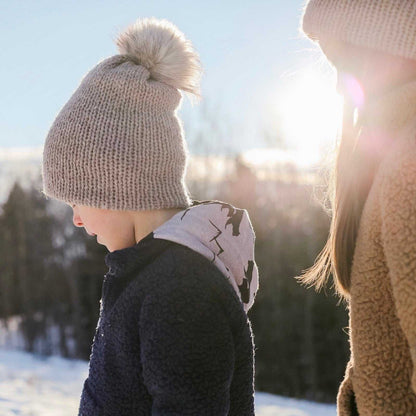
173 337
371 249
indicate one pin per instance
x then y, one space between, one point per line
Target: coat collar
144 252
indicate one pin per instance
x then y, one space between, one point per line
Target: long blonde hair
350 183
348 191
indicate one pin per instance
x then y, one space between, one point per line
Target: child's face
114 229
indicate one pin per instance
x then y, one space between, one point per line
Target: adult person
371 248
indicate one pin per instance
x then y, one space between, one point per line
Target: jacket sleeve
187 352
346 404
398 216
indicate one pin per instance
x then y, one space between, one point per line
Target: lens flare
350 87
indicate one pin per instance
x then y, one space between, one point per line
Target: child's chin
100 242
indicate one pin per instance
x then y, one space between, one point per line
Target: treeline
51 275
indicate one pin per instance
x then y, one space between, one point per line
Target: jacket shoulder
179 268
182 260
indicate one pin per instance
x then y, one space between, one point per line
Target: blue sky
247 48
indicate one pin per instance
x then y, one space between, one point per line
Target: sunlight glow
309 111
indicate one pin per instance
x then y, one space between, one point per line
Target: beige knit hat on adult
383 25
118 142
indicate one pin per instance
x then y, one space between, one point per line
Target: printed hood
222 234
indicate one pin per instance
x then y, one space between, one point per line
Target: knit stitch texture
118 142
384 25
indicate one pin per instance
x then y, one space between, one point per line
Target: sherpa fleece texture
381 375
172 338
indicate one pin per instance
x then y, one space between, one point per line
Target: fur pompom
159 46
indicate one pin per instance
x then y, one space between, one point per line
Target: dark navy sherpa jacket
172 337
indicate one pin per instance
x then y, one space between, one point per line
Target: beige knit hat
118 142
384 25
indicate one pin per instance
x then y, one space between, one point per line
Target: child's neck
147 221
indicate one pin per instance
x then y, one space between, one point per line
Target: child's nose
77 220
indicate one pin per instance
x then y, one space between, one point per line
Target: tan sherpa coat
381 376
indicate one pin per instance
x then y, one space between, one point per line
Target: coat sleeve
346 404
398 216
187 352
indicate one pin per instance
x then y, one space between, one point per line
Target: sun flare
310 112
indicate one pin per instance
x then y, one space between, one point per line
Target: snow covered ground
35 386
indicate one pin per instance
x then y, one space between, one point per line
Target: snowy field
33 386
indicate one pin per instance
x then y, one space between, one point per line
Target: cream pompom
161 47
